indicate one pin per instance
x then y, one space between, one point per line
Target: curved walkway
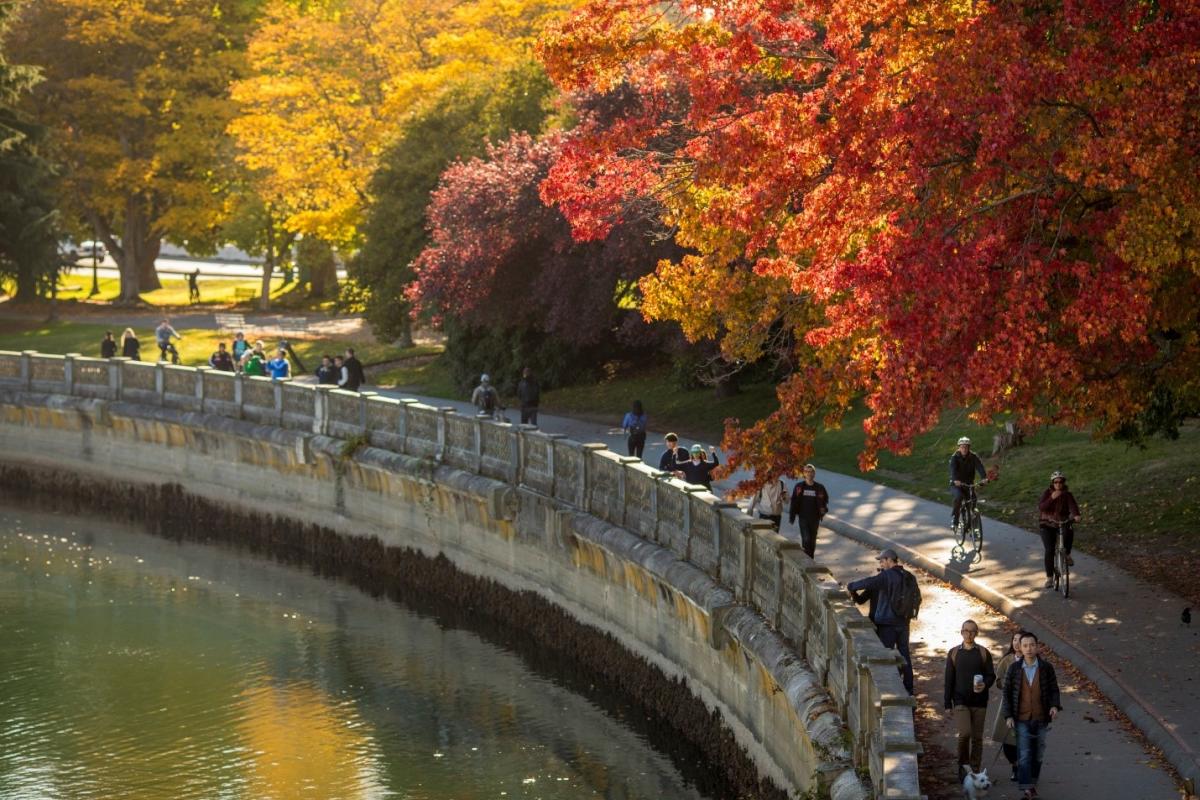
1123 634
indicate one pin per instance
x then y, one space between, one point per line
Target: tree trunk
324 277
137 252
264 296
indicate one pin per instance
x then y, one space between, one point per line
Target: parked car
90 250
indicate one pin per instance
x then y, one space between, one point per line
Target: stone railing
762 569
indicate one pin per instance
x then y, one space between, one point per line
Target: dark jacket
810 502
108 348
669 461
700 473
327 376
964 469
529 393
130 348
1053 509
355 377
960 683
1011 695
878 589
221 360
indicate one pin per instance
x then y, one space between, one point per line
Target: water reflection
140 668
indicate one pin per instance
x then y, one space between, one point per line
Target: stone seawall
755 629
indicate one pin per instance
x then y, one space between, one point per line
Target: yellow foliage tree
135 93
331 81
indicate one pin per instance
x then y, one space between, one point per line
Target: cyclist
964 467
1057 505
163 334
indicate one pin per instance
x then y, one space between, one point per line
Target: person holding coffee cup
969 677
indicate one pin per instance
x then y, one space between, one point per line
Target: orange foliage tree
930 203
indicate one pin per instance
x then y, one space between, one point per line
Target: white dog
976 784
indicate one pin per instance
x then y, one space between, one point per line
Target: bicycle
1062 561
970 521
169 347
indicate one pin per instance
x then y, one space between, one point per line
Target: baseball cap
887 553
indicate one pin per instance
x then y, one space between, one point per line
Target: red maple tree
986 205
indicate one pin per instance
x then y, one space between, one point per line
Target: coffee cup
978 682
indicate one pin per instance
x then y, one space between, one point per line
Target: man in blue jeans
1030 704
889 627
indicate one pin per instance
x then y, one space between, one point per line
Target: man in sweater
673 456
1030 704
810 502
969 678
890 627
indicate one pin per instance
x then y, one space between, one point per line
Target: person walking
881 590
1031 703
1001 734
768 502
673 456
108 345
697 470
634 425
970 674
355 375
221 359
529 393
278 366
194 286
810 502
964 467
131 348
485 397
1056 505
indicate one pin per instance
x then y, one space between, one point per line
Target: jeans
637 443
774 519
1050 541
808 534
959 494
897 636
529 415
1031 747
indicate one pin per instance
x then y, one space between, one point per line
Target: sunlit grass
174 292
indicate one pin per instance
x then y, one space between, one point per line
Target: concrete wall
757 629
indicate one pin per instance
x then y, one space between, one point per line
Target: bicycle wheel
977 531
1066 573
960 529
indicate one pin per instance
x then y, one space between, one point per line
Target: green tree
135 96
28 221
457 126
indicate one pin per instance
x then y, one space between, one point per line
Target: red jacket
1053 509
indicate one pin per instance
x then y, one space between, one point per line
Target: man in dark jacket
970 673
889 627
673 456
529 393
1030 702
810 502
355 377
964 466
108 345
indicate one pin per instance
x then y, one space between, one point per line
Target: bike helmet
484 378
697 449
1057 475
964 440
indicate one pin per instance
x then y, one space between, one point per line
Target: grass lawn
1141 505
427 376
195 347
174 292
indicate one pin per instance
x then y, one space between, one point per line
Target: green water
133 667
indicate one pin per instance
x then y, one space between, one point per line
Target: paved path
1121 633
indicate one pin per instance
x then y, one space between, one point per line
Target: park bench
230 322
244 295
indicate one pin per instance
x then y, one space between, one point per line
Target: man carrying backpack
895 601
484 397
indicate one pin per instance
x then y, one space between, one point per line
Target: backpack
638 426
489 400
905 598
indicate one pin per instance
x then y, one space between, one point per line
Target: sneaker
1028 794
1070 561
1049 584
1013 777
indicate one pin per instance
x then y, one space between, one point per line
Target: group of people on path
1028 693
241 356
